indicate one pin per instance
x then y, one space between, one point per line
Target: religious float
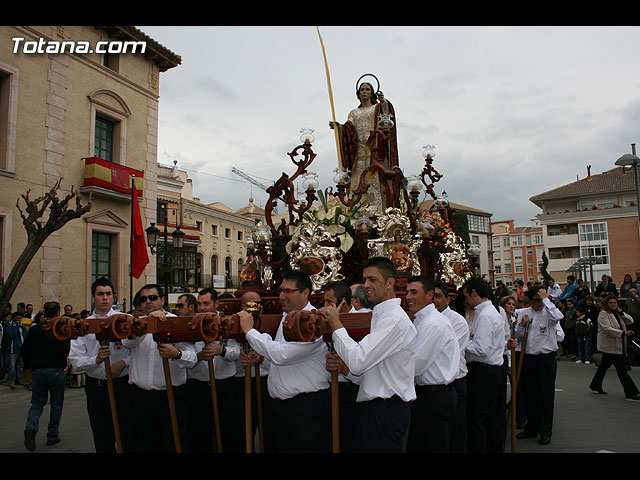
374 211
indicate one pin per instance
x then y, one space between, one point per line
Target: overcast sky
512 111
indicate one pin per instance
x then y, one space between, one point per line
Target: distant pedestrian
612 335
47 358
16 333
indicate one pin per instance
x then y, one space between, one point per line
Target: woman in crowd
612 342
626 284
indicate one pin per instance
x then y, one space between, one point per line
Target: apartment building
516 253
595 216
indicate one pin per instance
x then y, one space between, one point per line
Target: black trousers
303 423
432 414
151 420
539 379
458 432
484 433
200 431
383 424
620 365
99 410
349 413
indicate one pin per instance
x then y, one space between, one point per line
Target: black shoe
525 434
635 397
544 440
599 390
53 441
30 439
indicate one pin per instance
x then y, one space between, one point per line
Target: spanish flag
139 255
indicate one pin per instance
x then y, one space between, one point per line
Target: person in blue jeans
16 333
583 329
47 359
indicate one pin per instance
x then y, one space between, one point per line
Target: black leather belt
103 382
433 388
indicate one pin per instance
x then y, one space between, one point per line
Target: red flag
139 255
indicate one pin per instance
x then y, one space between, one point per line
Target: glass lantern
310 181
306 135
429 151
414 183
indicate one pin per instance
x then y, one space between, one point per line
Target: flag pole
133 199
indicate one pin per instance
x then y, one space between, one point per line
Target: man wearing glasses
151 416
298 381
539 363
187 305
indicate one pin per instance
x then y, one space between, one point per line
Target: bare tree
38 229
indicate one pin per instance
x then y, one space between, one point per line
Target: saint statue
375 112
249 270
400 254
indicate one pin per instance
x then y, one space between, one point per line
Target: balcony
560 241
110 180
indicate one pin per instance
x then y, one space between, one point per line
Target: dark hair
482 288
341 290
16 315
360 293
101 282
51 309
210 291
68 305
572 278
21 304
149 286
38 318
302 279
605 301
374 98
533 291
442 286
428 285
191 299
385 265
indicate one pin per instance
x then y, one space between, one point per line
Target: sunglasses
180 305
151 298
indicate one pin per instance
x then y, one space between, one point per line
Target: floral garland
438 236
339 219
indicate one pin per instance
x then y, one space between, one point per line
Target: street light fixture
630 159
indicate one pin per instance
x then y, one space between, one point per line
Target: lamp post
631 159
167 252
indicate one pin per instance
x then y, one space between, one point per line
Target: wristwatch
179 354
224 351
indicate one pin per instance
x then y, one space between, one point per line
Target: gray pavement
583 422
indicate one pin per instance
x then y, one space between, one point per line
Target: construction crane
252 180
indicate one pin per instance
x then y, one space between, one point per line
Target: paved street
583 423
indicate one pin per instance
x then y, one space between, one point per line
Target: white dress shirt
296 367
461 327
486 335
543 328
84 350
146 369
437 350
223 367
384 359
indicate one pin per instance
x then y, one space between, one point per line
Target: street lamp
631 159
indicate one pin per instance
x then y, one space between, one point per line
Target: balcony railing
110 179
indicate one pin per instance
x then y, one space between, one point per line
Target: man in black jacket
47 358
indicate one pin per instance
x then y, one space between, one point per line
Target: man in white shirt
151 420
539 363
88 355
383 362
458 435
298 380
553 291
359 298
198 388
437 355
484 354
339 294
187 305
